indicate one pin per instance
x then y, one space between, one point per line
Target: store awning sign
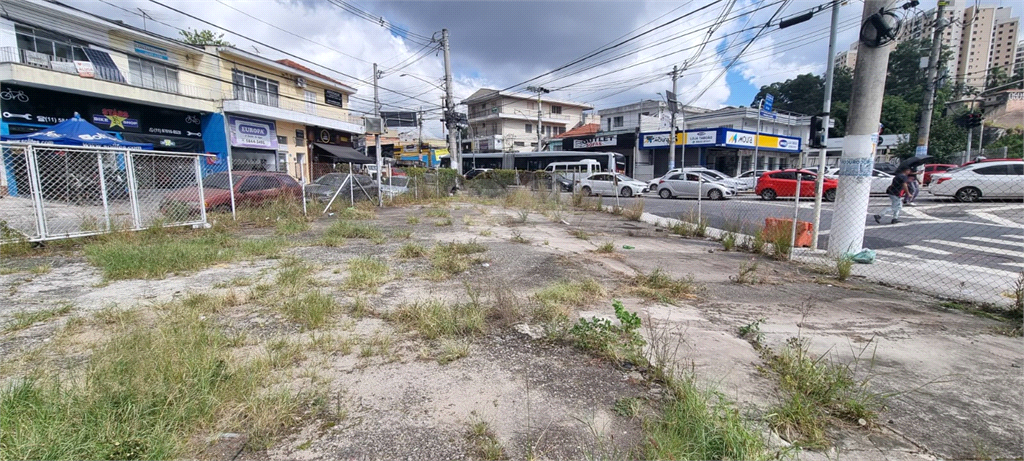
255 134
739 139
708 137
596 141
151 51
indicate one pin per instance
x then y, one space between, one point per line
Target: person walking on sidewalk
896 191
913 188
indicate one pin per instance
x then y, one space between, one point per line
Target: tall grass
560 299
435 319
149 393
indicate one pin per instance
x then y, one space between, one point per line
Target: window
148 74
282 140
310 102
55 46
531 105
617 121
529 128
556 109
519 144
253 88
785 175
300 138
993 170
1017 169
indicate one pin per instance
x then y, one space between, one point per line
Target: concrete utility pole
449 106
849 217
419 121
673 103
927 106
826 107
376 137
539 90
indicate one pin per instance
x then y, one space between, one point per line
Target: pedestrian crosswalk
1002 253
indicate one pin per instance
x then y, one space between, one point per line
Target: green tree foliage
802 94
203 37
1013 140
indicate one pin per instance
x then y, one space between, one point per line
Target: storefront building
728 150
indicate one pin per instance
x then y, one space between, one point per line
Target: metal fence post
103 190
37 191
133 188
202 196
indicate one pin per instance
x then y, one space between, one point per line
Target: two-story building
56 60
505 122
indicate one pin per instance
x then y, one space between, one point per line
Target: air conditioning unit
373 125
300 82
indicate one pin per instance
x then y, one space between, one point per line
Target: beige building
847 58
988 40
921 26
504 122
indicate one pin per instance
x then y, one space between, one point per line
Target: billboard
399 119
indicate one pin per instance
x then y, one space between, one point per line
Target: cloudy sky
603 53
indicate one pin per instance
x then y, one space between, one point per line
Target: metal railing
52 192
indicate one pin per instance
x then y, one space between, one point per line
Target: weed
606 248
438 213
379 240
580 234
311 310
661 286
291 226
359 307
412 220
844 265
634 211
728 241
435 319
486 233
752 332
815 389
781 246
558 300
467 220
453 258
341 230
411 251
403 234
615 342
1018 297
366 272
452 350
485 444
443 222
517 237
24 319
41 269
628 407
700 424
747 274
357 213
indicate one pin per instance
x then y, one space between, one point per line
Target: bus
536 161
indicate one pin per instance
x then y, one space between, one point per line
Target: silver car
687 185
1004 179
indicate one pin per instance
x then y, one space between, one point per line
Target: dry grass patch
24 319
436 319
368 273
662 287
560 299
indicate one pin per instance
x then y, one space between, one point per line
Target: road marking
967 246
994 218
965 268
988 240
1020 265
928 250
1015 236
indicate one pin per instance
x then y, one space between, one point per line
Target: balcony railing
295 105
31 58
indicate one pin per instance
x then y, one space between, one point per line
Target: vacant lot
452 329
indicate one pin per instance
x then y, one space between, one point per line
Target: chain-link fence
955 232
53 192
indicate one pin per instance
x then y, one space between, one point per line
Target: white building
505 122
989 40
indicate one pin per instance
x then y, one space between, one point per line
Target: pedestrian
913 188
895 191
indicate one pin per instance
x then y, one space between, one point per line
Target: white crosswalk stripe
991 240
968 246
928 250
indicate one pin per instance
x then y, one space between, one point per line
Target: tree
802 94
1013 141
203 37
996 77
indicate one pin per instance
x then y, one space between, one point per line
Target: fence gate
51 192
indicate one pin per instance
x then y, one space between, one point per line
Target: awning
168 143
342 154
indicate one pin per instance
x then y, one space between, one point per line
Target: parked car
886 167
251 188
476 172
1001 179
880 182
687 185
605 184
711 174
397 185
932 169
830 171
782 183
747 177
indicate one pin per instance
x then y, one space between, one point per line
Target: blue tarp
75 132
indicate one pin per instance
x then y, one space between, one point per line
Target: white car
610 183
880 181
747 177
688 184
981 180
713 175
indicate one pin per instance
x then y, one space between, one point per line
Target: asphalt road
980 236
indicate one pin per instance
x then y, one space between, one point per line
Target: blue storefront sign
722 137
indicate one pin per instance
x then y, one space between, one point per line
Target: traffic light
974 119
818 133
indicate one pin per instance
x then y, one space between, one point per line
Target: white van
574 171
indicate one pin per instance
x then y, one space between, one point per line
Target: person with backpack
895 192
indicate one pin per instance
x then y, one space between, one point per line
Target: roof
584 130
295 65
485 94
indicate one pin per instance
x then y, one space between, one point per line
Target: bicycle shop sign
257 134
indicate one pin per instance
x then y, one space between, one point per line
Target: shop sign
85 69
736 138
151 51
648 141
115 119
256 134
334 98
701 137
36 59
596 141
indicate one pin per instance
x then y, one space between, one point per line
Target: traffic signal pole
826 107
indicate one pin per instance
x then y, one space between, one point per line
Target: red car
934 168
782 183
251 188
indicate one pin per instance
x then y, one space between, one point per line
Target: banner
596 141
256 134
